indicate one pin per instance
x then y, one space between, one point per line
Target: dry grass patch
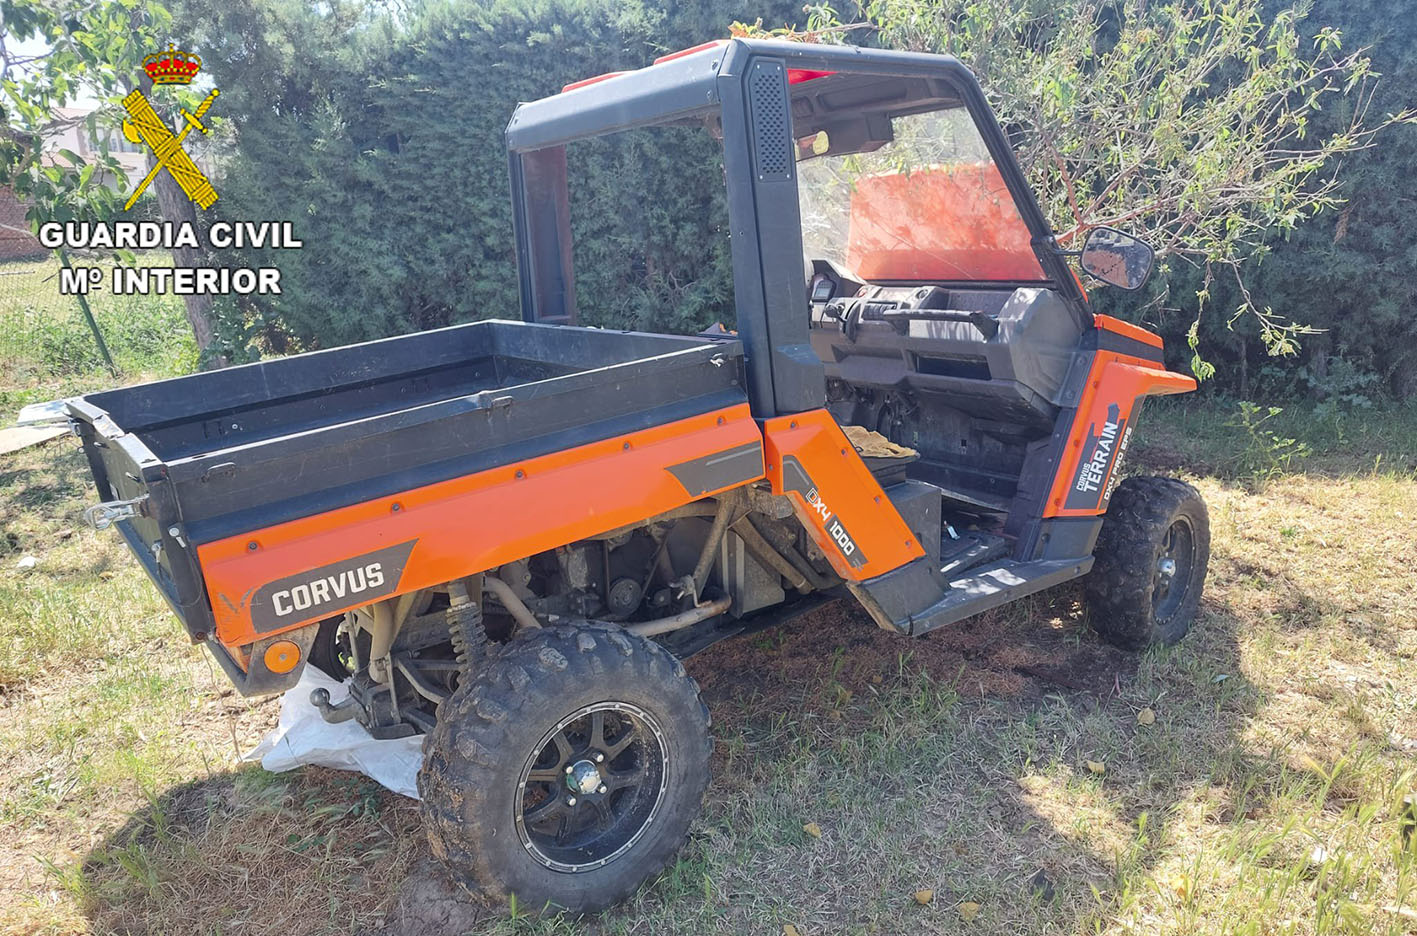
1263 798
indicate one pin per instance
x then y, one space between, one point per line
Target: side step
909 600
970 549
958 576
995 585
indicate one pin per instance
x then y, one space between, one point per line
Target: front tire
1151 559
568 771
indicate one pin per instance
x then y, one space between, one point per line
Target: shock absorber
465 629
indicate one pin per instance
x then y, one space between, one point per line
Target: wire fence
44 334
27 283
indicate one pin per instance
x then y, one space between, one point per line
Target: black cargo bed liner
235 450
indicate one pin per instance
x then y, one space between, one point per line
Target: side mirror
1116 259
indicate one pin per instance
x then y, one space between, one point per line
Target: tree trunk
1404 378
1318 367
1244 369
173 205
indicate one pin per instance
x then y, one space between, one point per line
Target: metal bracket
102 516
686 587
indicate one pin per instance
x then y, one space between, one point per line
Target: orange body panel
1087 471
466 525
837 498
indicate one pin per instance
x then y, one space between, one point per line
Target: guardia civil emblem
173 67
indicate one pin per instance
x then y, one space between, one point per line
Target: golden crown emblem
172 67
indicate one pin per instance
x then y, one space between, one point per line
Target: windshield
927 205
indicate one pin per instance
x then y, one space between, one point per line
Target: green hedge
1351 273
384 145
382 140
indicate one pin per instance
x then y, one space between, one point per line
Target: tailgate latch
102 516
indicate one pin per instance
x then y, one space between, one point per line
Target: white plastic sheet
302 737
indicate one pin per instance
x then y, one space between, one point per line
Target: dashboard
840 300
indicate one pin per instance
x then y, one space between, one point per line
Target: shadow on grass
957 763
46 490
315 851
973 746
35 486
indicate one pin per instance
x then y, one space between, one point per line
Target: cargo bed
217 454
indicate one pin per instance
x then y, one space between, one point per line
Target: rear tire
568 771
1151 559
325 651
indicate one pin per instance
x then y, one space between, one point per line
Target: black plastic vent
767 97
969 368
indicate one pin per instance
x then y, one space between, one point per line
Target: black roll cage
744 85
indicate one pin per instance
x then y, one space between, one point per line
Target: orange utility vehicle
505 535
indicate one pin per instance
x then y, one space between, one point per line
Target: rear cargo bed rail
226 452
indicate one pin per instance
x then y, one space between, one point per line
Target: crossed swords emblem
143 124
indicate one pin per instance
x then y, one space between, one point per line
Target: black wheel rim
592 787
1175 561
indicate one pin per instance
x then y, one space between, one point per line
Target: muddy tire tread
1118 590
476 736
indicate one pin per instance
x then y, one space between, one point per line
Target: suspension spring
468 636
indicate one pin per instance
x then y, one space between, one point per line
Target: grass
1212 438
47 349
1265 797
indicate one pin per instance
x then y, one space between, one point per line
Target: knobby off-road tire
324 652
1151 559
524 736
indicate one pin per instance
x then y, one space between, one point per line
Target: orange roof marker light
701 47
794 75
715 44
590 81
